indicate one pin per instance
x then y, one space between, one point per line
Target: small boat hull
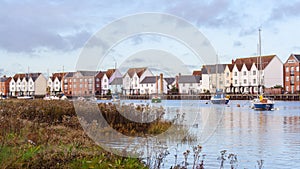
263 106
219 101
156 100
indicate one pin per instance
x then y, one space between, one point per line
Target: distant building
4 86
55 83
213 77
291 74
116 85
189 84
31 84
252 74
132 79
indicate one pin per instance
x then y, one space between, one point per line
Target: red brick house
291 74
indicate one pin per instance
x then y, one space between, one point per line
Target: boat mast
260 66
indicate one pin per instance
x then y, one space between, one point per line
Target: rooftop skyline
49 35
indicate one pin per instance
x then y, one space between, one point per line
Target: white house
116 85
213 77
253 73
228 78
132 79
55 83
28 84
189 84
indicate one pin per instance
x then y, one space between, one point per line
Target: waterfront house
252 74
31 84
213 77
116 85
291 74
228 86
189 84
4 86
132 79
55 83
80 83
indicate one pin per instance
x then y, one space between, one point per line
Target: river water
271 136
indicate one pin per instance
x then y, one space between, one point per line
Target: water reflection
273 136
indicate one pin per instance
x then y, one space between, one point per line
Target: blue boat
263 103
219 98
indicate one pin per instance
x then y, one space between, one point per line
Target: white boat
219 98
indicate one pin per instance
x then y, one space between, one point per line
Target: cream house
132 79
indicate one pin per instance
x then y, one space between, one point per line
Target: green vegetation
47 134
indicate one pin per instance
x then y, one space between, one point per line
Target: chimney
161 83
176 81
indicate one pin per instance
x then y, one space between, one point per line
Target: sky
48 36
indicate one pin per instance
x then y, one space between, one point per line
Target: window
245 81
227 81
254 72
74 86
183 84
245 73
49 83
31 83
97 85
297 88
254 81
97 79
105 80
90 80
297 78
227 74
235 73
105 86
74 80
66 80
287 88
297 68
80 85
191 84
292 70
235 81
286 69
287 78
80 80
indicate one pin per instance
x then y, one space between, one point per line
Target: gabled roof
211 69
5 79
239 66
138 71
70 74
297 56
230 67
149 79
117 81
265 60
34 76
169 80
59 76
88 73
197 73
189 79
100 74
110 72
248 66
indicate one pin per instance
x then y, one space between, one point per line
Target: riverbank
289 97
47 134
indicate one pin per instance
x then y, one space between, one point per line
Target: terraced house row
242 75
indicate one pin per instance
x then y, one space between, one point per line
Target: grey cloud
285 10
237 43
216 13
